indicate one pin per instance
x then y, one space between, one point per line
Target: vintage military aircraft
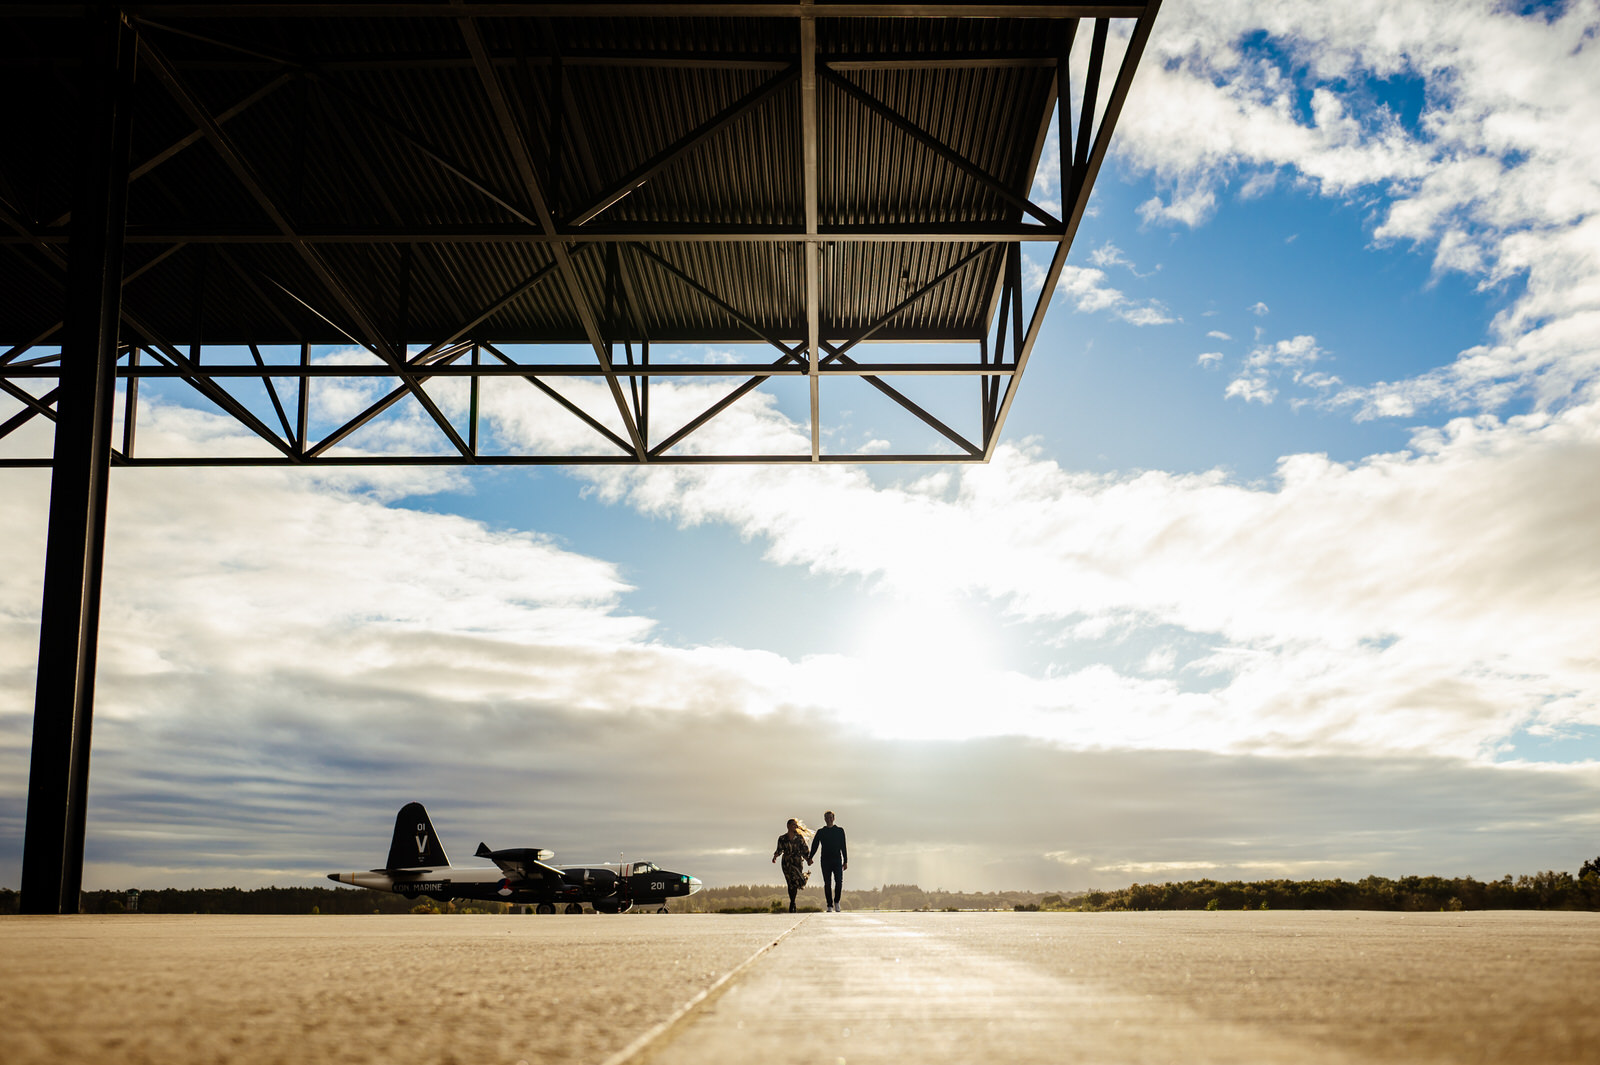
417 866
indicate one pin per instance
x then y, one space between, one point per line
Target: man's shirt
831 839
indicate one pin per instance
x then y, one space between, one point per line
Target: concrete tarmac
1286 986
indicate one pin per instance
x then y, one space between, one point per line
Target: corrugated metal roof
375 113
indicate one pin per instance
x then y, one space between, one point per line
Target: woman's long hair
800 827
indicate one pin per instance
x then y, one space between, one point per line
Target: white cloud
1316 379
1267 363
1148 314
1435 599
1209 358
1299 351
1086 287
1087 290
1462 609
1109 254
1251 389
1217 334
1259 309
1498 175
1188 208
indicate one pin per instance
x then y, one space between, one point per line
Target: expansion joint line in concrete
638 1051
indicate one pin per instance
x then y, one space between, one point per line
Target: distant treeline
283 900
291 900
1541 891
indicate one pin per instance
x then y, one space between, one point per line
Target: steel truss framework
445 184
585 272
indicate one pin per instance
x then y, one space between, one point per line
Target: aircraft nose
694 884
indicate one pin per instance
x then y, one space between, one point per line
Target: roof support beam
816 365
446 357
888 316
223 117
786 366
266 382
731 311
627 9
31 403
837 354
347 461
186 368
939 148
512 134
566 404
810 164
205 387
602 233
682 146
372 336
789 355
433 154
1084 175
130 406
915 408
28 345
565 113
39 405
490 311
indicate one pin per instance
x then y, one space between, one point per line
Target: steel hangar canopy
234 205
438 183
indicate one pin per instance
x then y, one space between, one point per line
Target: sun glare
930 669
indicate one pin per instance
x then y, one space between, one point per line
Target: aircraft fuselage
596 885
418 868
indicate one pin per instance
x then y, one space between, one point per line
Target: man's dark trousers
832 881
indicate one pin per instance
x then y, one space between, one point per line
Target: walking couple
835 859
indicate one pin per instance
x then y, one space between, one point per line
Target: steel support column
811 156
58 779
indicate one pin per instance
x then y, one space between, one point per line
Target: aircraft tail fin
415 843
483 851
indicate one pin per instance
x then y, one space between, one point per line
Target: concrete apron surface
1303 987
851 989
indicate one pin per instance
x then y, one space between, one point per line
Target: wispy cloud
1086 288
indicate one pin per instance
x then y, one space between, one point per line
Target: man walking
835 860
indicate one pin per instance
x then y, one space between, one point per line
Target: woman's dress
794 851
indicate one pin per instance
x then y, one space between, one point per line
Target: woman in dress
794 846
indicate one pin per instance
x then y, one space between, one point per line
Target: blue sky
1286 568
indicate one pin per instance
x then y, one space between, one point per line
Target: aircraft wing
521 863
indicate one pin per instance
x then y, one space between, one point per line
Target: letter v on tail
415 845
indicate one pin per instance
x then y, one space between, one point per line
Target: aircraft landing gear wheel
544 907
573 907
662 910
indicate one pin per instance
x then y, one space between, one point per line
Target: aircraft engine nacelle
613 905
